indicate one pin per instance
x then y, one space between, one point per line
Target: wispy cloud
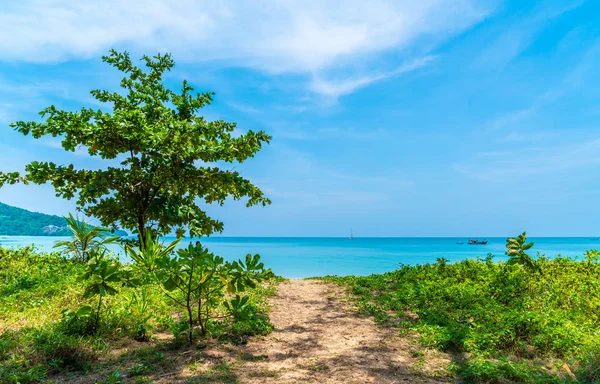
245 108
333 89
513 165
309 37
305 179
573 79
518 36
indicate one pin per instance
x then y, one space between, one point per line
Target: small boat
351 237
593 238
482 242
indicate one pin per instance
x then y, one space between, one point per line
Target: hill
20 222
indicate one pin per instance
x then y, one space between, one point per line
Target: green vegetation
20 222
60 312
516 321
87 239
169 156
61 316
197 280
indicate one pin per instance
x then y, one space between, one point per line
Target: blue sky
395 118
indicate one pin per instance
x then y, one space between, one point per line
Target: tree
168 156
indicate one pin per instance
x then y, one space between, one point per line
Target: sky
393 118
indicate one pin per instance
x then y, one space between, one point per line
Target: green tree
168 156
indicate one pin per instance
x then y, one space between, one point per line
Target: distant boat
593 238
351 237
477 241
460 243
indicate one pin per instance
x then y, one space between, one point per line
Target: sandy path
320 339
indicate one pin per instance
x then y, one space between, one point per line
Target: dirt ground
318 338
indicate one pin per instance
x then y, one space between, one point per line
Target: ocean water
305 257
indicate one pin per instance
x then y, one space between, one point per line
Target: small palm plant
515 250
86 239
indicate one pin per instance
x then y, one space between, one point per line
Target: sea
319 256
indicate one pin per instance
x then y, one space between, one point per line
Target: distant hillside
20 222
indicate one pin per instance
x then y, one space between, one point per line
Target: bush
50 327
505 315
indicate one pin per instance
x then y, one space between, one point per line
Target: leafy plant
591 256
160 141
442 261
151 256
77 322
141 302
515 250
196 279
101 279
239 307
87 239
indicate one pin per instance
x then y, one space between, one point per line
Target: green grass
38 343
501 322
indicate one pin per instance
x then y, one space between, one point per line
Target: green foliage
168 154
239 307
504 317
152 252
592 256
140 305
197 280
19 222
87 239
515 250
49 326
101 278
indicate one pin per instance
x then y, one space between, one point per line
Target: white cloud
275 36
336 88
505 166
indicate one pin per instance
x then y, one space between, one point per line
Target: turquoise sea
305 257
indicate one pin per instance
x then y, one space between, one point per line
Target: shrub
505 315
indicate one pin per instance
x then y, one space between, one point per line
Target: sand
320 338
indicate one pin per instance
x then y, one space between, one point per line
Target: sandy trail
320 339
